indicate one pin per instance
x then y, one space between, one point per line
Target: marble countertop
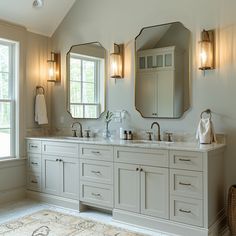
187 146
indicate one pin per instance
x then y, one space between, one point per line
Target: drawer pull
96 152
185 184
96 194
34 182
181 159
184 211
34 163
33 146
95 172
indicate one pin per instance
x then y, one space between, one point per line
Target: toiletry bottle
125 135
130 135
121 133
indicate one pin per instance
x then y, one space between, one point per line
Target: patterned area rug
52 223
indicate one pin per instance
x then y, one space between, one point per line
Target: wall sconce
117 62
207 50
54 67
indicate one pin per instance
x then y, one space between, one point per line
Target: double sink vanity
175 187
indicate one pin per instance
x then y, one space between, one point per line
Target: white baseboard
12 195
166 225
55 200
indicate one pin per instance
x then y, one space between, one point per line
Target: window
84 84
7 98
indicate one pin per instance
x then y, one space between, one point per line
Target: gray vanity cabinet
50 175
127 190
59 172
142 187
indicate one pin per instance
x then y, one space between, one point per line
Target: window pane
5 114
168 60
4 86
5 142
88 93
149 61
75 92
4 58
76 110
91 111
142 63
75 69
88 71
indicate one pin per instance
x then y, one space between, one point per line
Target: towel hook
38 89
207 111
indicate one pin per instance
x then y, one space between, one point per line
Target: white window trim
14 85
96 83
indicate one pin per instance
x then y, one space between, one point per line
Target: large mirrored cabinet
86 66
162 71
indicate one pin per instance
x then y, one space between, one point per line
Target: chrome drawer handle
34 163
34 182
95 172
185 184
184 211
96 152
181 159
96 194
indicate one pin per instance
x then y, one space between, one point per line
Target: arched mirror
162 71
86 66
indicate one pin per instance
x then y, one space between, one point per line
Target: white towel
41 110
205 131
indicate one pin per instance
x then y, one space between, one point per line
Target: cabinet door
154 191
127 187
165 93
69 170
50 175
145 93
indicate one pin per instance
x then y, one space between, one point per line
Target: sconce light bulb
51 72
203 57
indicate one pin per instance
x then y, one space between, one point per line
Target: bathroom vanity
172 187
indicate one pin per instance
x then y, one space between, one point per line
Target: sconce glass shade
116 65
117 62
206 51
54 68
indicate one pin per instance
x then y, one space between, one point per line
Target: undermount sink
150 142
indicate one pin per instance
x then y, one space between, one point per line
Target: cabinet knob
141 169
137 169
57 159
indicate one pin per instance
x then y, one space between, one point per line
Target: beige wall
33 52
109 21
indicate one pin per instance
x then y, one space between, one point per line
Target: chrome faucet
74 129
159 130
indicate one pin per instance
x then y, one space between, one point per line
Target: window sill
11 161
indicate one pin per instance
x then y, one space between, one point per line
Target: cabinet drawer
186 183
186 160
61 149
186 210
33 146
96 152
34 162
34 182
96 171
99 194
142 156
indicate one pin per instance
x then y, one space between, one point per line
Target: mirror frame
67 81
189 72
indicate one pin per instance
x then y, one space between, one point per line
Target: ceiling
43 20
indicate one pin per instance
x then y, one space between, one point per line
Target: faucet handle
74 133
169 136
87 133
149 135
